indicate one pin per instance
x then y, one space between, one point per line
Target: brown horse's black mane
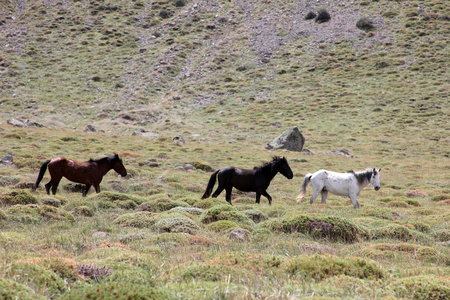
272 163
103 159
362 176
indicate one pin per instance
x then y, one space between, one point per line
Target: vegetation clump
396 231
422 287
256 215
224 212
365 24
18 197
319 267
10 289
222 226
322 16
115 290
177 224
334 228
138 219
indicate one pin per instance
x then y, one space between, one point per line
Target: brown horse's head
117 165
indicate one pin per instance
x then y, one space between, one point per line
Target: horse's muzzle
377 188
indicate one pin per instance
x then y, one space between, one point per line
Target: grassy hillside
227 77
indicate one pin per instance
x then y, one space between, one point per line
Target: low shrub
114 197
137 219
224 212
162 204
9 180
440 197
38 278
397 232
52 213
365 24
319 267
209 272
84 210
190 210
256 215
51 201
322 16
18 197
93 271
3 215
203 166
222 226
177 224
428 287
416 251
334 228
10 289
210 202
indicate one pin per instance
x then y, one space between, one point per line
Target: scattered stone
178 140
416 194
291 139
90 128
7 160
238 235
14 122
99 234
29 123
188 167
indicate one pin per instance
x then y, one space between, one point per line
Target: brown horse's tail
303 187
211 183
41 174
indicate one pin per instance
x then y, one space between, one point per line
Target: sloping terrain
224 77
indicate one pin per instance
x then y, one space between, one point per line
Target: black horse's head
282 165
117 165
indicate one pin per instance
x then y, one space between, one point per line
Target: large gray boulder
291 139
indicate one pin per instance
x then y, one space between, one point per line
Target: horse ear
379 170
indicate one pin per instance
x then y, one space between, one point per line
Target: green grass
382 96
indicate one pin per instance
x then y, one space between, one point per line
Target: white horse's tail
303 187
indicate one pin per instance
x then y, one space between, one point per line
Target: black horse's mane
271 163
103 159
362 176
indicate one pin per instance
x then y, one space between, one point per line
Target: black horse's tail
211 183
41 174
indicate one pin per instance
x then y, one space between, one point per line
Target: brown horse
89 173
248 180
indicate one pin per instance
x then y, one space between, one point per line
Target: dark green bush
365 24
323 16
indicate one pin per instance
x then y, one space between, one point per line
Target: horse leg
97 188
48 186
324 194
55 187
258 197
218 191
228 193
86 189
355 201
314 195
266 194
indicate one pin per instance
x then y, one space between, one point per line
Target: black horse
248 180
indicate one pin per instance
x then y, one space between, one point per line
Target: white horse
343 184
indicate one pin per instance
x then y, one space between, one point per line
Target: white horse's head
375 179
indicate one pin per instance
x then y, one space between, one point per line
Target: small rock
14 122
99 234
238 235
7 160
90 128
178 140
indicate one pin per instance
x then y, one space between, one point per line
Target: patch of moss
319 267
84 210
51 201
114 197
440 197
381 213
3 215
138 219
416 251
334 228
10 289
162 204
177 224
396 231
224 212
256 215
117 290
9 180
52 213
203 166
18 197
210 272
422 287
222 226
38 278
210 202
190 210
